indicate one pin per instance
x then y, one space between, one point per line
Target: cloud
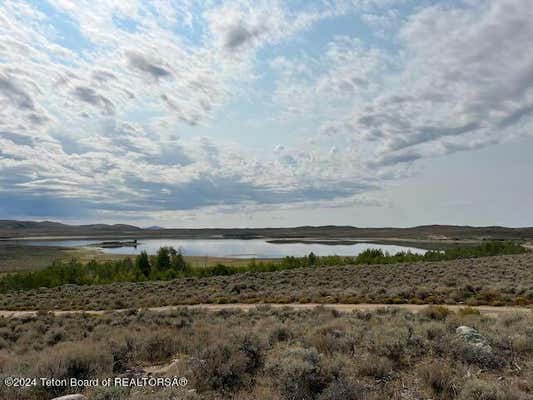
146 66
516 116
425 134
15 95
462 81
247 25
103 76
452 82
325 86
89 95
240 34
396 158
240 25
132 116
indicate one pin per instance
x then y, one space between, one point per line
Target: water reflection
235 248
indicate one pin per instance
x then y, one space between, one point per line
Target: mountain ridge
22 228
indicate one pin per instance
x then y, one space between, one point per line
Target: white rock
71 397
473 338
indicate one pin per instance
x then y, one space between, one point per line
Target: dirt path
485 310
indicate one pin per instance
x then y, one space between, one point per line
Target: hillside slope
19 229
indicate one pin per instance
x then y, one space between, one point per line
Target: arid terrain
276 353
492 311
500 280
266 200
458 329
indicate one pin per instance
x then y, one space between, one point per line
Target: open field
275 353
28 258
499 280
351 332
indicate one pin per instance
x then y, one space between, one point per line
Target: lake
234 248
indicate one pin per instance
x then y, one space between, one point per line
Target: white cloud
246 25
101 118
466 81
462 80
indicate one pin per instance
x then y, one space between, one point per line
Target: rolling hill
21 229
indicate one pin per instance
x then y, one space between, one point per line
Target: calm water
256 248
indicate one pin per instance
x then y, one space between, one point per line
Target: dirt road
485 310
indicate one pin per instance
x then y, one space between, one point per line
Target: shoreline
268 239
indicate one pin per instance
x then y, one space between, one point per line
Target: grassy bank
17 257
20 257
169 264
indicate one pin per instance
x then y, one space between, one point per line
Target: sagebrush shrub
375 367
82 360
482 390
439 377
228 365
298 373
342 389
436 312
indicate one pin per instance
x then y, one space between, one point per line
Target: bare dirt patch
344 308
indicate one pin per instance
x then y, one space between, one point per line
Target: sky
267 113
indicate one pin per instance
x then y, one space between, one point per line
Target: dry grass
501 280
16 258
272 354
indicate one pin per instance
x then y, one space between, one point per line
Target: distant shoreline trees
143 263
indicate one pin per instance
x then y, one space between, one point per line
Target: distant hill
19 229
10 228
